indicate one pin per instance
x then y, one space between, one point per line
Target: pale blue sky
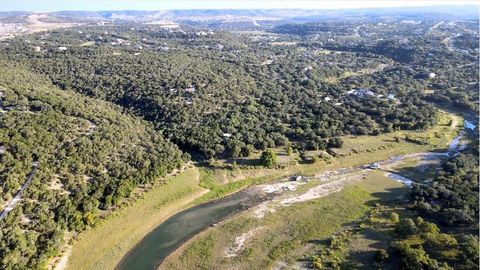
56 5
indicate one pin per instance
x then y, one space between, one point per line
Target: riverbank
278 232
283 234
104 246
236 247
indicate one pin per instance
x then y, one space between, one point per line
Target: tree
235 165
381 256
289 151
469 251
429 227
335 143
394 217
268 158
406 227
414 258
440 240
247 150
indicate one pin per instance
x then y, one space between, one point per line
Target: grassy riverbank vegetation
103 247
283 237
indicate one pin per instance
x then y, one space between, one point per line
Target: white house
190 89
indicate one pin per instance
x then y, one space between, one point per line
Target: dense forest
453 197
215 93
89 154
452 203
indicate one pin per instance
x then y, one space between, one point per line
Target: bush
394 217
268 158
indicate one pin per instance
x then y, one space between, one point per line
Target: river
172 233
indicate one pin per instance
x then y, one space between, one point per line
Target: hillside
88 156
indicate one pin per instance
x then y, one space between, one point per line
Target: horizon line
167 5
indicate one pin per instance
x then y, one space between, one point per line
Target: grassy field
437 137
103 246
287 235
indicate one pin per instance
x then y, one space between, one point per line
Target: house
62 49
203 33
227 135
190 89
327 99
431 75
363 92
391 96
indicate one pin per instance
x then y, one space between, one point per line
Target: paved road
18 197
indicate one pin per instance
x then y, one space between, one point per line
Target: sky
92 5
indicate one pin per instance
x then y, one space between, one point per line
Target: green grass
437 137
202 251
103 246
284 234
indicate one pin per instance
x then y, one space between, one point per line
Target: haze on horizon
91 5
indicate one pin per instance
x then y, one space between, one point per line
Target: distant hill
465 12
